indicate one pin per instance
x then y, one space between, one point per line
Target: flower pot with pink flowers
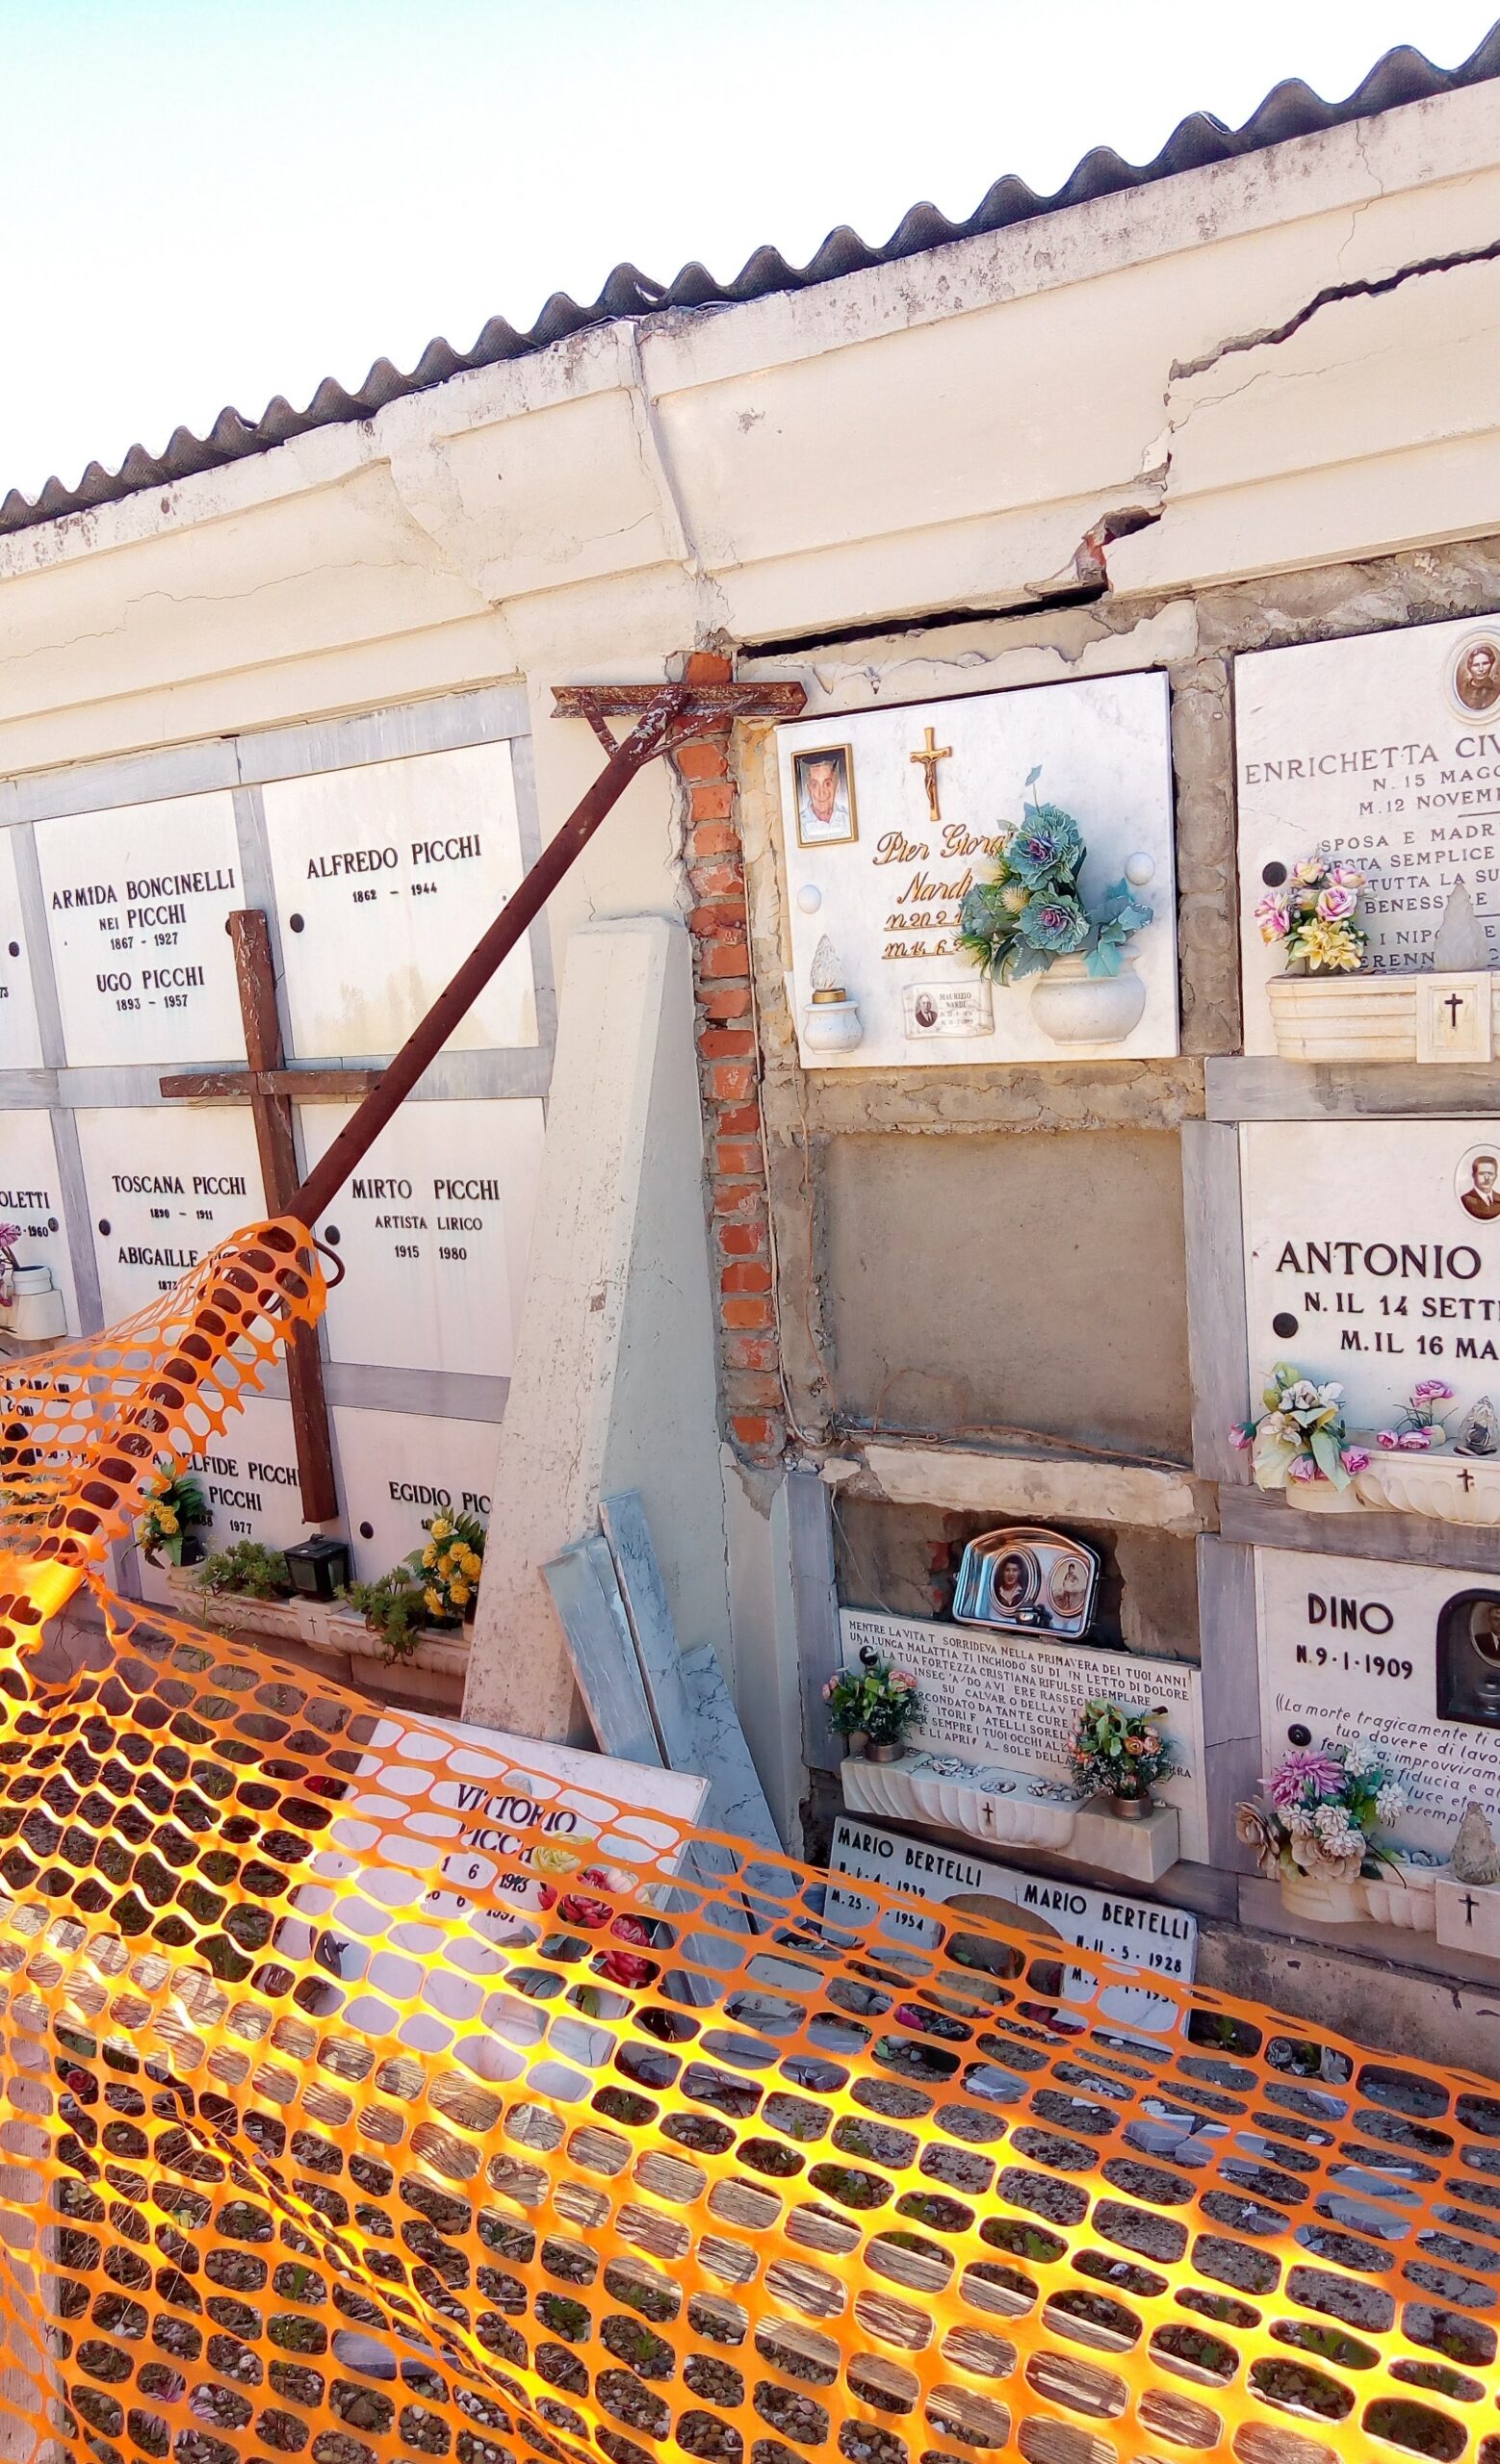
1124 1754
1299 1445
876 1703
1315 1831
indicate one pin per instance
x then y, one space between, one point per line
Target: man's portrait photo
1481 1199
825 796
1476 676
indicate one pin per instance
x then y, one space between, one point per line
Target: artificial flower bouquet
1420 1426
449 1566
1301 1434
1123 1752
1033 911
874 1701
1322 1808
1312 916
178 1507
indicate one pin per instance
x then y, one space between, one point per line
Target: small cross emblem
1453 1005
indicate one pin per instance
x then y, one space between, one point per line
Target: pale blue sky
204 203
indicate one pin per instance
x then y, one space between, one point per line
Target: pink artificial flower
1386 1439
903 1676
1355 1459
1432 1390
1273 915
1302 1769
1309 875
1337 902
1415 1441
1304 1468
1347 877
828 1690
1241 1438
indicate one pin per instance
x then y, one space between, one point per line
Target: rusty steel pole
650 737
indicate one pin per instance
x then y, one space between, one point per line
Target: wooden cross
930 755
270 1089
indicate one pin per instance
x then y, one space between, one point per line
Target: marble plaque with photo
1372 1255
892 816
1380 751
1407 1658
1009 1702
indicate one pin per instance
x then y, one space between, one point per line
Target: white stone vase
832 1026
1071 1006
1320 1900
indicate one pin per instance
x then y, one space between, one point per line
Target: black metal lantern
319 1569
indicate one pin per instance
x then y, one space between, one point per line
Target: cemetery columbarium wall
1122 497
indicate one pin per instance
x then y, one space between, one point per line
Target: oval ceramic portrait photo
1474 677
1476 1183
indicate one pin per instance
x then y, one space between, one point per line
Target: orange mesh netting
369 2095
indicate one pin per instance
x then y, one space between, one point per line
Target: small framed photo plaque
824 780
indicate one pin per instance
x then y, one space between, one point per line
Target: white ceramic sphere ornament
1140 868
810 898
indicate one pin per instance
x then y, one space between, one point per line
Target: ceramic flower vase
890 1750
1135 1808
1322 1899
1071 1006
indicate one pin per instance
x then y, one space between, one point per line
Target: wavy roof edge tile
1290 109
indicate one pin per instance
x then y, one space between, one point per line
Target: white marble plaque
31 1194
1380 751
1139 1933
398 1470
1005 1700
434 1228
165 1184
1376 1245
137 902
1349 1648
385 877
20 1040
887 897
249 1485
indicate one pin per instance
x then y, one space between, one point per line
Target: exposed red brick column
728 1079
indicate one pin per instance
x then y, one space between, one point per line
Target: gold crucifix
929 758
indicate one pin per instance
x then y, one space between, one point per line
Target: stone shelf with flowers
1300 1447
1316 1833
1326 1006
419 1614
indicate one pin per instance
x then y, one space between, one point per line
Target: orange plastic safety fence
368 2095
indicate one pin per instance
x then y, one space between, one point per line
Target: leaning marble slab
1016 1810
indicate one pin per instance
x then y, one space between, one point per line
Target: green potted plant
872 1706
436 1585
1031 918
1124 1754
177 1509
247 1570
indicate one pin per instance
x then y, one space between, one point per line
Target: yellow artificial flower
473 1564
440 1528
430 1556
445 1563
432 1602
459 1593
166 1518
1329 945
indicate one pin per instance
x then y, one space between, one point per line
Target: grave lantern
319 1569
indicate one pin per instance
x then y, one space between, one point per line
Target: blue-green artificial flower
1048 844
1054 920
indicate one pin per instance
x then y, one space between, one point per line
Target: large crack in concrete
1368 286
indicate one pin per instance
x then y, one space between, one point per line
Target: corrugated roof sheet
1290 109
